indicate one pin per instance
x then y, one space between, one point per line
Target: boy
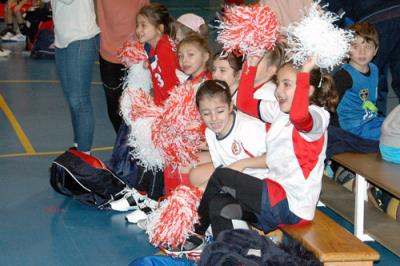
357 83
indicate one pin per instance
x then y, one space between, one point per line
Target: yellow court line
10 81
13 155
17 127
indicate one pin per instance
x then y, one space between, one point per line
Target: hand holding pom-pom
248 29
317 35
132 52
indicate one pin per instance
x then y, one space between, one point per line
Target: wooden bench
332 244
371 168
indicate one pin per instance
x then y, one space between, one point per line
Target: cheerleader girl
296 144
230 135
153 27
228 68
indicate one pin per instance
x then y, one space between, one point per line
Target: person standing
77 42
117 21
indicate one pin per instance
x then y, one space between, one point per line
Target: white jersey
266 92
296 159
245 139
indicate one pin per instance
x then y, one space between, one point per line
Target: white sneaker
136 216
18 38
128 202
7 36
4 52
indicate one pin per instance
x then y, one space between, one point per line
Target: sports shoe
18 38
191 248
128 202
136 216
4 52
7 37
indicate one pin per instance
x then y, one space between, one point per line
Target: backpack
246 247
86 179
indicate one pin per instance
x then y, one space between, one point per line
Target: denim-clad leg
74 66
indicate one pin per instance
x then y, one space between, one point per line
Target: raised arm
245 101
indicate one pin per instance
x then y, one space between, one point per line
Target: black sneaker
191 248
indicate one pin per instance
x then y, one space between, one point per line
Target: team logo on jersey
236 149
363 94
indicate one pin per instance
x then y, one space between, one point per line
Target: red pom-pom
132 52
248 29
143 105
177 132
170 224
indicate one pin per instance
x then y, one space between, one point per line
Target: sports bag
86 179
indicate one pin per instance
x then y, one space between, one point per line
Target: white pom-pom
170 224
143 148
317 35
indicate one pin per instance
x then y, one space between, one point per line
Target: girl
261 77
228 68
230 135
153 27
296 144
188 24
194 55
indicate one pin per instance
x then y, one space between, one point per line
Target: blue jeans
74 67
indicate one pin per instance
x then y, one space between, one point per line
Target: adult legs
388 57
74 66
112 77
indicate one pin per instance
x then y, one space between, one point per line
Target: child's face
216 114
192 59
286 87
147 32
223 71
362 52
264 72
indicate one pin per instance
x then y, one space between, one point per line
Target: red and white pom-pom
138 78
317 35
248 30
132 52
170 224
177 132
142 114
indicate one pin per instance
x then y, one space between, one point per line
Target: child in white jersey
231 135
228 68
296 145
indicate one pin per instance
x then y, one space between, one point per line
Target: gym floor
37 225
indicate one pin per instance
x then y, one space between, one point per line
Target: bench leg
361 187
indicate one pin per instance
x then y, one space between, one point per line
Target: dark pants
229 195
388 57
112 76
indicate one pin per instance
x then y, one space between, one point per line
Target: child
194 54
231 135
357 84
188 24
153 26
296 144
389 141
261 78
193 58
228 68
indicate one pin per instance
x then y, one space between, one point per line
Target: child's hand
145 64
254 60
309 64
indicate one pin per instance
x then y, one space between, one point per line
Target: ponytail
325 93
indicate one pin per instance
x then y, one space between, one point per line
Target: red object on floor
236 2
